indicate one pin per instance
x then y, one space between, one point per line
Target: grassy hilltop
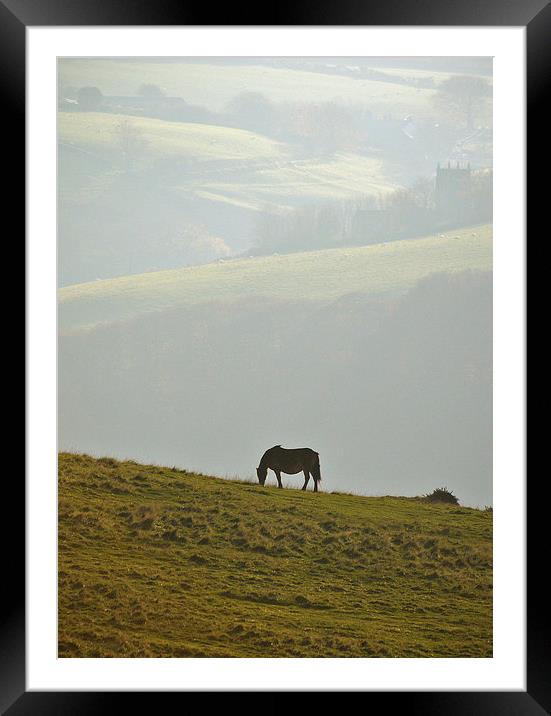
97 132
160 562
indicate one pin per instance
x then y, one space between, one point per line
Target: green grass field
343 176
160 562
230 165
96 131
314 275
214 85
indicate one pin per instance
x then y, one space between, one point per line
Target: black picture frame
535 16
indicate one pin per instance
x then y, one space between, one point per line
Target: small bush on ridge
442 494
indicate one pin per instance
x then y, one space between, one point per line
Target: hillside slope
159 562
100 132
222 164
312 275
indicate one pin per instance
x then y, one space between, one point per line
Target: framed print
261 256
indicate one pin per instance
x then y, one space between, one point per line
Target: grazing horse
290 462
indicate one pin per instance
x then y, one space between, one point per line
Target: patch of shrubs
442 494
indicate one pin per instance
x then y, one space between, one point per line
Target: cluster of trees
149 100
402 213
461 101
313 226
464 100
90 98
322 127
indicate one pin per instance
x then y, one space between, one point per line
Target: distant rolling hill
99 131
161 562
221 164
214 85
315 275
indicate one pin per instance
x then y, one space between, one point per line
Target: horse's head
261 473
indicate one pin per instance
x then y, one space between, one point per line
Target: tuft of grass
187 565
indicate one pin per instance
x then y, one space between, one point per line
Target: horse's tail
316 473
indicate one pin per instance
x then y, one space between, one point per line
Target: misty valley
272 269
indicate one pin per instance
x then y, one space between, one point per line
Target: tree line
327 126
407 212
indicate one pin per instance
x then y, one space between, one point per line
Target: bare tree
464 98
130 141
150 90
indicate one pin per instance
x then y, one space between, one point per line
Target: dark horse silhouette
290 462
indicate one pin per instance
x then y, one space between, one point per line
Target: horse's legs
315 485
278 475
306 478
